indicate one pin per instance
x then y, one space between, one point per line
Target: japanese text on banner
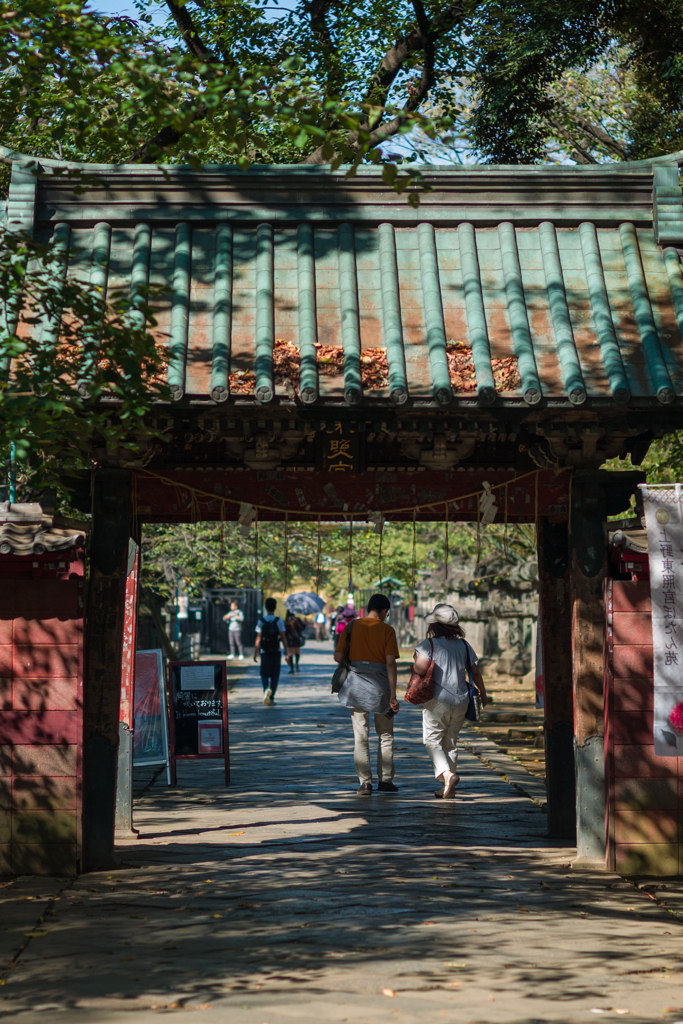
664 522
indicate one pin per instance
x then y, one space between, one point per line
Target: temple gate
334 351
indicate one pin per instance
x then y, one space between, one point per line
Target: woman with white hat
443 716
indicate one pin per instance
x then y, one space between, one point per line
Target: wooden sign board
199 713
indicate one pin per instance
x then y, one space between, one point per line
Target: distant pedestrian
270 632
370 688
294 628
443 716
334 616
345 615
235 620
320 624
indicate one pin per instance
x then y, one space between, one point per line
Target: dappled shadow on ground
288 897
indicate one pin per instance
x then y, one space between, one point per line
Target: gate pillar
124 782
588 568
556 640
104 633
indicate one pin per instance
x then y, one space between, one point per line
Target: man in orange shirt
370 688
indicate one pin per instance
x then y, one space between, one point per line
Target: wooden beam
104 628
556 640
124 784
587 573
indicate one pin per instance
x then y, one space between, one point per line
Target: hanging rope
196 493
318 575
350 554
222 551
414 553
536 505
446 554
256 550
381 538
286 552
478 529
505 531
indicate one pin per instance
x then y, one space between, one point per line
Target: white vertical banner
664 522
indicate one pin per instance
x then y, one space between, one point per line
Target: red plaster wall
644 792
41 690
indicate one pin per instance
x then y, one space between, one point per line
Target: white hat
444 613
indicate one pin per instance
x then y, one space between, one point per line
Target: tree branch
581 153
317 11
393 60
423 39
191 37
600 135
168 136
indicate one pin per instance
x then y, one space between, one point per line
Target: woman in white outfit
442 717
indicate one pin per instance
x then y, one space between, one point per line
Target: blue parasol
305 603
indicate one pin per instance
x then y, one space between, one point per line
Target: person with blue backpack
270 631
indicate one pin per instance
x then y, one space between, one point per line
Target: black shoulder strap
467 659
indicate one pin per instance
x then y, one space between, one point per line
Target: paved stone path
286 898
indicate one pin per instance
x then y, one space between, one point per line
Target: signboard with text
664 522
199 713
150 734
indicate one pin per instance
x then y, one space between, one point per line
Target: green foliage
193 557
238 81
663 463
75 367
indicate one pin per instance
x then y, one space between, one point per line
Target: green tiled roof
570 274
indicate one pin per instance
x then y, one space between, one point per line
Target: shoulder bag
421 688
342 669
473 712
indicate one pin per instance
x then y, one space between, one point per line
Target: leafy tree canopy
76 368
227 80
193 557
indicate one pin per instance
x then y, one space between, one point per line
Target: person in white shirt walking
443 716
270 632
235 618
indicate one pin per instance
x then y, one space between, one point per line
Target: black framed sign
199 713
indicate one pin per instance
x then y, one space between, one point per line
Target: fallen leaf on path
204 1006
236 833
453 984
614 1010
216 915
457 963
388 992
523 910
34 935
426 922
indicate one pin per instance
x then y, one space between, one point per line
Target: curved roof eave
26 160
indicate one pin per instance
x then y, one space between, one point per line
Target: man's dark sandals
387 787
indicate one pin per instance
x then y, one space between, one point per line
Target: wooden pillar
588 569
556 640
109 552
124 784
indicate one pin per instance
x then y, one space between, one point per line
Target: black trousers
270 670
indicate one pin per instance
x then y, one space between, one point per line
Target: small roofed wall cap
443 613
26 530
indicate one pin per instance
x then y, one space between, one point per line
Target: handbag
342 669
473 712
421 688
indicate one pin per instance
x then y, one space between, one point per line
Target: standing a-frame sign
199 713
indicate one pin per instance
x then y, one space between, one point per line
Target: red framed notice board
198 693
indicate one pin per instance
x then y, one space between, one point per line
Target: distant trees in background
502 81
192 557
